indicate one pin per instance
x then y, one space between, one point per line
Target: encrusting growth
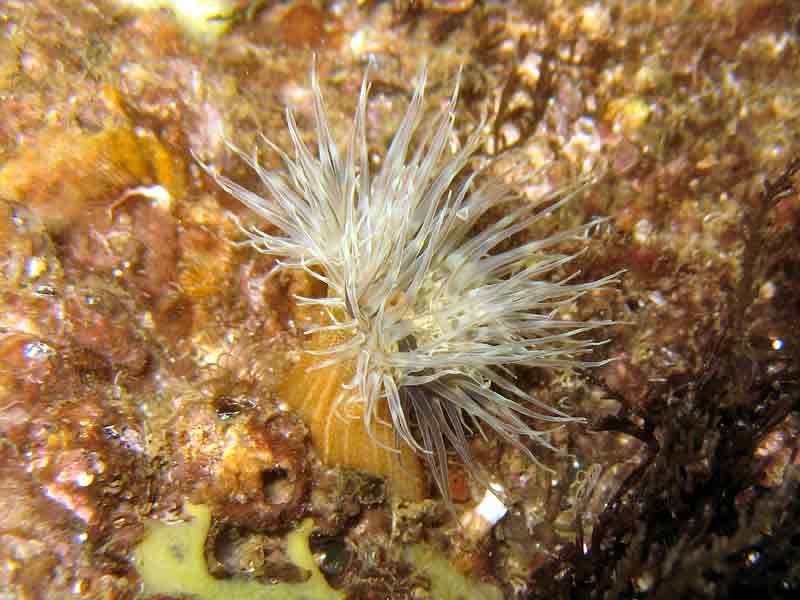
424 317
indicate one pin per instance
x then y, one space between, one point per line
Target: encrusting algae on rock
171 560
424 316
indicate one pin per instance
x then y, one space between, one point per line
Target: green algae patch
171 560
446 582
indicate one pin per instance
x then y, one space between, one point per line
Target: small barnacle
425 315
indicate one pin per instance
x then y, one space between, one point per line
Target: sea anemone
425 315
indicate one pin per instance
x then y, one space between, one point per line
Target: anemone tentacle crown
424 307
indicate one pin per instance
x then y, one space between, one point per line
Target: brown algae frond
424 316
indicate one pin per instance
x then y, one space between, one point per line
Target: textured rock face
141 352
